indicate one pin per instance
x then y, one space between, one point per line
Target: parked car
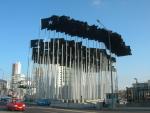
5 99
123 101
16 104
43 102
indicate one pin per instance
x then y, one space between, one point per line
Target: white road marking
60 109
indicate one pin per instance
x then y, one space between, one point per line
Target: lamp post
136 90
110 64
136 80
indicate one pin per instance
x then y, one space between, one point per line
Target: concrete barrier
73 105
99 105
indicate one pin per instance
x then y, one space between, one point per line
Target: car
4 100
16 105
43 102
123 101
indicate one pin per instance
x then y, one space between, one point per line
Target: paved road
36 109
55 110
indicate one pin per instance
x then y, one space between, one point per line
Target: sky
20 22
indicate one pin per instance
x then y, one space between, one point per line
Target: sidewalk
128 109
2 107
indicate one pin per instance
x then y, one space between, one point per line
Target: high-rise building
16 69
18 80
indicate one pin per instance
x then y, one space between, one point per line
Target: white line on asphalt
60 109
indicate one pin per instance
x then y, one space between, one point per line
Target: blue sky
20 22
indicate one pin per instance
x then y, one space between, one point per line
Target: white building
18 81
16 69
3 87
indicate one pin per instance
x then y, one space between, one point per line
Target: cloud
96 2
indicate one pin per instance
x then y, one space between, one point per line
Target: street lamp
136 80
110 64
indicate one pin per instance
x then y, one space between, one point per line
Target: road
36 109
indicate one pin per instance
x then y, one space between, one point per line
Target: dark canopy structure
112 40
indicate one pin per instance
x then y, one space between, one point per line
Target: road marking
60 109
48 112
74 111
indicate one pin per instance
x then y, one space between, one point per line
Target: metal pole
109 41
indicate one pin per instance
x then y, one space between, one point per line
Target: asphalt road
56 110
37 109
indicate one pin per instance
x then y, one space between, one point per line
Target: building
138 93
3 87
18 81
16 69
